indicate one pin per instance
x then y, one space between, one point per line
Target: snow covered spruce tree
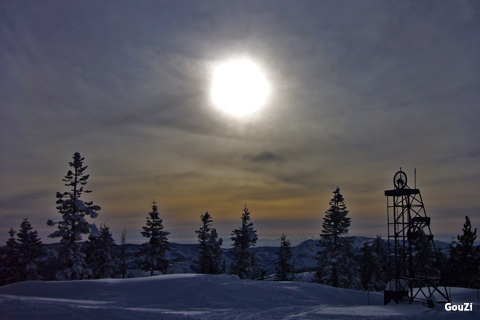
209 247
73 224
379 248
10 264
371 268
30 248
336 262
284 266
101 255
465 258
244 262
153 252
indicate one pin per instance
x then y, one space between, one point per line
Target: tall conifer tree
380 250
465 258
102 256
10 264
337 265
209 247
284 267
30 249
215 244
73 224
244 263
153 252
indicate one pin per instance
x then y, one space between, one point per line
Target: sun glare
239 87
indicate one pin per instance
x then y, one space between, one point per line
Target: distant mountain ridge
183 256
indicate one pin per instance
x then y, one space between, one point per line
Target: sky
359 89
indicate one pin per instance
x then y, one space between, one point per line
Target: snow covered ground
191 296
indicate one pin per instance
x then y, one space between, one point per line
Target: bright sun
239 87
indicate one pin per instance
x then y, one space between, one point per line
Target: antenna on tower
415 178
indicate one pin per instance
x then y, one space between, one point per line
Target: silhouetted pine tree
10 263
209 247
244 264
370 269
348 276
153 252
284 267
204 256
73 224
464 258
380 250
217 253
442 263
102 257
123 254
30 248
337 265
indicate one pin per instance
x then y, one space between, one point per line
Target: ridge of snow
194 296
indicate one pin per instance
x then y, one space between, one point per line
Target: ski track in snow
207 297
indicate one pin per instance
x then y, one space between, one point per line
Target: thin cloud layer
358 91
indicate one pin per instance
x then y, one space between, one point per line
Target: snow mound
192 296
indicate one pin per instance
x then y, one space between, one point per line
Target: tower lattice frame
413 256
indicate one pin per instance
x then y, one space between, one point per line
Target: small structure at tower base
396 291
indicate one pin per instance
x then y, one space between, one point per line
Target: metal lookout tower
413 261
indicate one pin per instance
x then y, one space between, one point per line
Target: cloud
265 157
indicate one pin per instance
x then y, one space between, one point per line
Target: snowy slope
191 296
